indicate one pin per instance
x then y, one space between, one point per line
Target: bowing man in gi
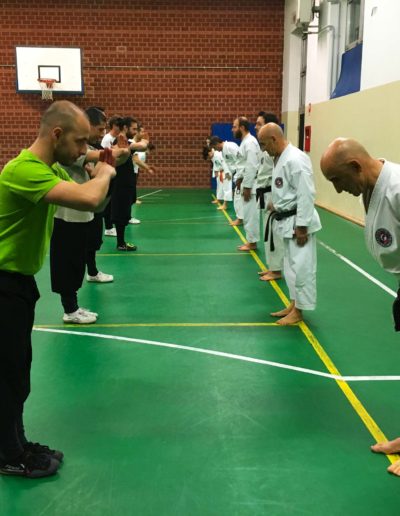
350 168
248 163
229 153
274 257
295 220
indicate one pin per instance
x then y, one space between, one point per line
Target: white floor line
226 355
147 194
359 269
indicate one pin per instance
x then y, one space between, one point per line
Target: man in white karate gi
350 168
223 177
229 152
248 163
263 195
295 220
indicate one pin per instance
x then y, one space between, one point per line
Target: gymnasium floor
186 399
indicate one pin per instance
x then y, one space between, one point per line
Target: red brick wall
178 65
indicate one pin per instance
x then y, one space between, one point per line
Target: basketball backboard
62 64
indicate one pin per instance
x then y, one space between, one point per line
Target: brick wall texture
178 65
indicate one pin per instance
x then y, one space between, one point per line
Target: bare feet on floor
222 207
270 275
247 247
395 468
293 317
289 315
388 447
214 201
237 222
283 312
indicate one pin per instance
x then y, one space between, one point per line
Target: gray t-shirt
78 174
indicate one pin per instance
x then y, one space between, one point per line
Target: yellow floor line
368 421
133 254
163 325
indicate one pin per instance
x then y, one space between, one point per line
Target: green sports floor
186 399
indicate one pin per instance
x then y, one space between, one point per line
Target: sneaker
80 316
87 311
127 247
30 465
110 232
101 277
134 221
37 448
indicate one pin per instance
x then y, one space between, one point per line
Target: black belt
396 312
260 195
276 215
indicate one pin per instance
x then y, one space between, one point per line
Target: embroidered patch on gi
383 237
279 182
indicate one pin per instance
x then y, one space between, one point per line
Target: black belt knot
276 215
260 195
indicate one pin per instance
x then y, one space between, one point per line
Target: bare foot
247 247
214 201
223 207
270 275
293 317
237 222
284 312
395 468
387 447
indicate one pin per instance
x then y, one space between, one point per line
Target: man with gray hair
295 220
350 168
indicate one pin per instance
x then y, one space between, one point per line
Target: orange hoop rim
48 82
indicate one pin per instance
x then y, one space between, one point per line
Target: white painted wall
291 61
381 46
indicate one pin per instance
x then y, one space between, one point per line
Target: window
354 23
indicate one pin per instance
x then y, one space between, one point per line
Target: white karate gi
293 187
229 153
221 171
264 179
382 221
248 163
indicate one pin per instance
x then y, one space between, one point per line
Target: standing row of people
274 178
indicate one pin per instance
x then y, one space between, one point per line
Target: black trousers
18 296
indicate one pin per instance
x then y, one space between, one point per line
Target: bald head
272 139
347 164
62 114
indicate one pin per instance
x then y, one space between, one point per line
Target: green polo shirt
26 220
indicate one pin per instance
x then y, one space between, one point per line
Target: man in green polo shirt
31 187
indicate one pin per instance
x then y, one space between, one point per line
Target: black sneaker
127 247
37 448
30 465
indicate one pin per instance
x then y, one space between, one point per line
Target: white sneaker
110 232
87 311
101 277
80 317
134 221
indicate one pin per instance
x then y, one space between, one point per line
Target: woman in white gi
350 168
296 220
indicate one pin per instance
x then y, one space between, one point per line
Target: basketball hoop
47 88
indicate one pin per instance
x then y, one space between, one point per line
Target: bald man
350 168
31 185
295 220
